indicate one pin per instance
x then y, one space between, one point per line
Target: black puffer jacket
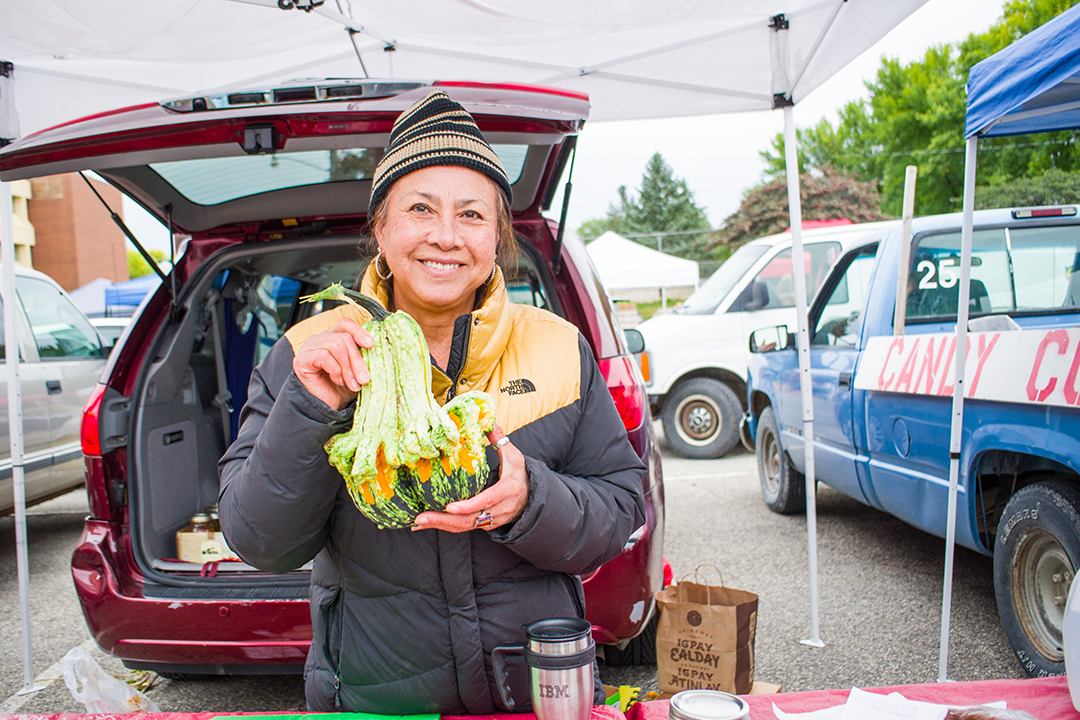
404 622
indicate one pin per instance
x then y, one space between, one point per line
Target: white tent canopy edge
687 58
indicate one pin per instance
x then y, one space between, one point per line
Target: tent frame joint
299 5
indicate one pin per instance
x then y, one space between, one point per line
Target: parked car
695 363
271 185
883 402
60 360
110 329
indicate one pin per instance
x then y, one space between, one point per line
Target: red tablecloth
599 712
1045 698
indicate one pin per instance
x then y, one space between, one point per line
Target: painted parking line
51 674
706 476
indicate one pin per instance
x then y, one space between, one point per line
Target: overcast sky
717 155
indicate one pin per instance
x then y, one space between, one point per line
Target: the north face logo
518 387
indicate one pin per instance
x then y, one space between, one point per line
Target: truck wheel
1036 551
701 418
641 650
782 486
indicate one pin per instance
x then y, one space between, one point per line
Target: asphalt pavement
880 588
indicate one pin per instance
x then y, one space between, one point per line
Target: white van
695 357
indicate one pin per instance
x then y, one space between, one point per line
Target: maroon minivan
266 193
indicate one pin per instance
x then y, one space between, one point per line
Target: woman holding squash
405 620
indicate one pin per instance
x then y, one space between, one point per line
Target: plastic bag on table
100 692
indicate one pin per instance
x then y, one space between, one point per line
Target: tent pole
803 344
14 398
956 434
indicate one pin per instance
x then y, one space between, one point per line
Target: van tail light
643 363
93 464
89 435
627 390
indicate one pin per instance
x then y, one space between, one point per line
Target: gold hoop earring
389 273
494 266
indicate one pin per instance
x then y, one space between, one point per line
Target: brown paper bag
705 637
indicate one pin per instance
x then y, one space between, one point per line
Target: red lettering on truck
908 370
882 383
1054 337
1070 379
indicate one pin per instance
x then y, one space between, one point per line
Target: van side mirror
771 339
635 341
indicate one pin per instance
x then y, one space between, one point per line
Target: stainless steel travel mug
559 653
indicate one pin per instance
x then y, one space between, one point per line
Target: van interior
186 407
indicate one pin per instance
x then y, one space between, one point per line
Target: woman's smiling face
439 239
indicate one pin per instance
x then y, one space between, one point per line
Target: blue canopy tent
1031 86
122 299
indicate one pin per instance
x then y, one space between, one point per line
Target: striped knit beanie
436 131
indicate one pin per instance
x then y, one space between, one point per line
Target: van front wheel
701 418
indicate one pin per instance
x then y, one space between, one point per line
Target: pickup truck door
834 339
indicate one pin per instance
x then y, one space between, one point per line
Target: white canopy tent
634 58
626 265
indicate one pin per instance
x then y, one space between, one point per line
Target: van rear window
1029 270
209 181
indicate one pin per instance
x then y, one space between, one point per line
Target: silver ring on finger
483 520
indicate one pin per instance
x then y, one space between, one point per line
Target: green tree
764 209
914 115
355 164
137 266
663 205
1053 187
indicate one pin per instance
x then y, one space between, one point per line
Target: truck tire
641 650
1036 551
701 418
782 486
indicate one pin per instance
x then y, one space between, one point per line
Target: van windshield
707 297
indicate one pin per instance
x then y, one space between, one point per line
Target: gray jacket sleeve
276 492
580 514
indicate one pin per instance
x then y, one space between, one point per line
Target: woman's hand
329 364
502 503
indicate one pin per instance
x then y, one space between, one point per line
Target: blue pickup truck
882 402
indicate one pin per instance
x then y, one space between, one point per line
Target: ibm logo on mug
555 691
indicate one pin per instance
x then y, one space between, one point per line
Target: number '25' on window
1013 271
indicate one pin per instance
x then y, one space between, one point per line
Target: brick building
74 239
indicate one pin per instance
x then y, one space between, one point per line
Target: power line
664 233
945 151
